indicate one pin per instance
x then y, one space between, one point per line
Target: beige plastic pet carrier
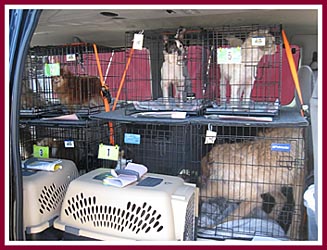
44 192
156 207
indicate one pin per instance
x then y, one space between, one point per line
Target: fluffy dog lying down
244 171
172 67
241 76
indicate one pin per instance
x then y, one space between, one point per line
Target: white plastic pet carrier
157 207
44 192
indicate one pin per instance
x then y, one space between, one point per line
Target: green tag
229 55
40 151
107 152
52 69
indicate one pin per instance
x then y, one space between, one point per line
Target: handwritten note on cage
229 55
138 41
108 152
52 69
210 137
40 151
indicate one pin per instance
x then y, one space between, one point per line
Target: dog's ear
261 32
180 33
234 42
165 39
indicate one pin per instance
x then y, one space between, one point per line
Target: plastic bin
309 203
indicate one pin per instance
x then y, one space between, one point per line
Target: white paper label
258 41
138 41
229 55
70 57
210 137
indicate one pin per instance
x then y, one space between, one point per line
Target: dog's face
175 45
270 47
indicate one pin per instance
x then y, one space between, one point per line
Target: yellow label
108 152
40 151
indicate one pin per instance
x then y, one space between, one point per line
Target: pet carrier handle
105 93
293 70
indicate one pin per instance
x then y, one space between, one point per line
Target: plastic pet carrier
156 207
44 192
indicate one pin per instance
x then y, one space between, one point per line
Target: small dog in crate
241 76
244 171
172 67
77 91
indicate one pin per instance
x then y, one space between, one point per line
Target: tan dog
241 76
243 171
172 67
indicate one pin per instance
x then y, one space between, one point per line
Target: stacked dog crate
172 71
251 143
245 149
244 74
61 87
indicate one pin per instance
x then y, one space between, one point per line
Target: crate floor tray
252 108
193 106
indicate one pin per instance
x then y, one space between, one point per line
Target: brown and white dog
172 67
244 171
241 76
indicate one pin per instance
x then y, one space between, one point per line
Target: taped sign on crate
108 152
52 69
40 151
229 55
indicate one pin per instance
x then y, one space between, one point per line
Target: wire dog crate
251 182
244 69
162 148
63 79
74 140
173 79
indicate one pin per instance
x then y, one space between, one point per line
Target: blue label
132 138
281 147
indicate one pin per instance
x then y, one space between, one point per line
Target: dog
243 171
241 76
172 69
76 92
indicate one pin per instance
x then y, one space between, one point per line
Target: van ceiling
62 26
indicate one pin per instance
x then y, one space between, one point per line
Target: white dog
172 67
241 76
